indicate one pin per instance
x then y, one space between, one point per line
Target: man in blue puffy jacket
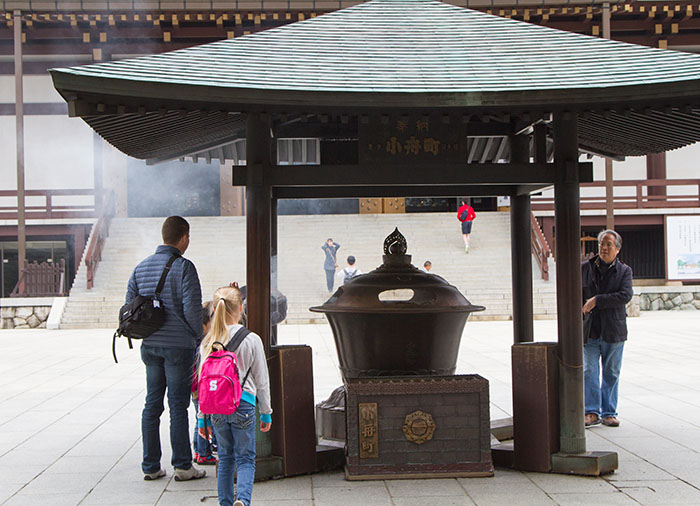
169 352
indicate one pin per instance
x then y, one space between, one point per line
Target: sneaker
209 460
189 474
611 421
466 249
591 419
154 476
238 503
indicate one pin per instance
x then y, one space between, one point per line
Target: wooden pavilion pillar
258 225
290 448
521 254
569 317
572 457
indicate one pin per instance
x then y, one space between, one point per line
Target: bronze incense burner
397 320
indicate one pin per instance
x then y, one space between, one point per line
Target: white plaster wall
40 89
36 89
59 153
7 89
8 148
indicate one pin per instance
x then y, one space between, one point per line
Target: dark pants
171 369
330 277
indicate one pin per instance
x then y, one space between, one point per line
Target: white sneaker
189 474
154 476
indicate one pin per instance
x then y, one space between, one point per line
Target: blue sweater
181 297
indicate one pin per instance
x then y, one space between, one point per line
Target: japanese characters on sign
368 437
410 141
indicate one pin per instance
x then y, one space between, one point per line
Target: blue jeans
330 279
236 437
601 398
169 368
201 445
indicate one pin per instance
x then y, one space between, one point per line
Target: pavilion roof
418 55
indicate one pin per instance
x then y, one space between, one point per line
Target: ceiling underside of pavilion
392 57
161 136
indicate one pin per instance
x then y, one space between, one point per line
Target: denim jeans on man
236 439
601 397
171 369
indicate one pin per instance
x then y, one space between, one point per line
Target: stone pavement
70 421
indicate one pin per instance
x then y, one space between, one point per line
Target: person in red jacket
466 215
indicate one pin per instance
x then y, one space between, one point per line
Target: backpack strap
235 342
237 339
114 345
166 269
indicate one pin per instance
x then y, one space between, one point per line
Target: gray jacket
181 297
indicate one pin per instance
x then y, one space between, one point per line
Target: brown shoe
611 421
591 419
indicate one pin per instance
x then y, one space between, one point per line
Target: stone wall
669 301
24 317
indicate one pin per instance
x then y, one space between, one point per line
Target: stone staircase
218 250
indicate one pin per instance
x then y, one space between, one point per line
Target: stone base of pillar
586 464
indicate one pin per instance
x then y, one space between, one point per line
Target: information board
683 248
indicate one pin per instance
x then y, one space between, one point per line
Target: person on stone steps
466 215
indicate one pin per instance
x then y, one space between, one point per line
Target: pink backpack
220 388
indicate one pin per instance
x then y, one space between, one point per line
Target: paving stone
21 499
419 488
663 493
434 500
608 499
296 488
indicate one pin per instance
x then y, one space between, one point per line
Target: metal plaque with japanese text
368 430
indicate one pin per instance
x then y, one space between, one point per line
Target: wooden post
19 123
606 20
540 143
609 203
258 226
656 169
521 249
569 316
97 171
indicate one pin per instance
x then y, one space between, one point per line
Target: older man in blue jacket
607 288
169 352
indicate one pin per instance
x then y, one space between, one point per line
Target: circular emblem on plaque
419 427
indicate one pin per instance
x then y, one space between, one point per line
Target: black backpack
143 315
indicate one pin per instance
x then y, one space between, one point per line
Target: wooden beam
337 192
425 175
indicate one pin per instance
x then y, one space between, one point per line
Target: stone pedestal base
586 464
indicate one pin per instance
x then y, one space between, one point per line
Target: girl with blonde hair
236 433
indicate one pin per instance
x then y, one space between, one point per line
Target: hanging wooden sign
411 140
